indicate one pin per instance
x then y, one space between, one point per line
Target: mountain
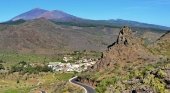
126 48
162 45
59 16
128 66
130 23
41 13
48 32
42 36
30 15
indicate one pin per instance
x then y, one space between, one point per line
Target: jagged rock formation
126 49
125 35
117 65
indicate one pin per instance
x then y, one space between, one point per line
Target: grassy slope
162 45
12 58
116 79
25 83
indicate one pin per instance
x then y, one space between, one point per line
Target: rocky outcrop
126 49
125 66
125 35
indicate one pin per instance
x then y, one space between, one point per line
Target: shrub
2 67
17 81
1 61
161 73
101 88
155 83
23 67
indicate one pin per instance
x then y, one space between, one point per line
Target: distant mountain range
59 16
50 32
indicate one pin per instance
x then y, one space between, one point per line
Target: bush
2 67
154 82
1 61
17 81
24 67
161 73
101 88
19 66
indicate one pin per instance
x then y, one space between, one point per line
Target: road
87 89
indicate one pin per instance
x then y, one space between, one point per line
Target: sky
148 11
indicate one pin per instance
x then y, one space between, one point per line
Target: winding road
87 89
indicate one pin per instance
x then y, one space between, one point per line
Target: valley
41 51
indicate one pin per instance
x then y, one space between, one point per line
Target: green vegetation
14 22
24 67
2 67
29 72
22 90
85 54
17 83
101 88
150 76
11 58
162 48
87 24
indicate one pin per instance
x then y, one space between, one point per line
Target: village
77 66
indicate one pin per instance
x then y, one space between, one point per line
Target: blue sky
149 11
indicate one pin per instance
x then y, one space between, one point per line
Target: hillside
128 66
126 49
44 37
162 45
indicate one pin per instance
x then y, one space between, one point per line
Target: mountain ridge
29 15
61 16
36 13
39 35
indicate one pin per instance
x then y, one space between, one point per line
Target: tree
2 67
1 61
17 81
